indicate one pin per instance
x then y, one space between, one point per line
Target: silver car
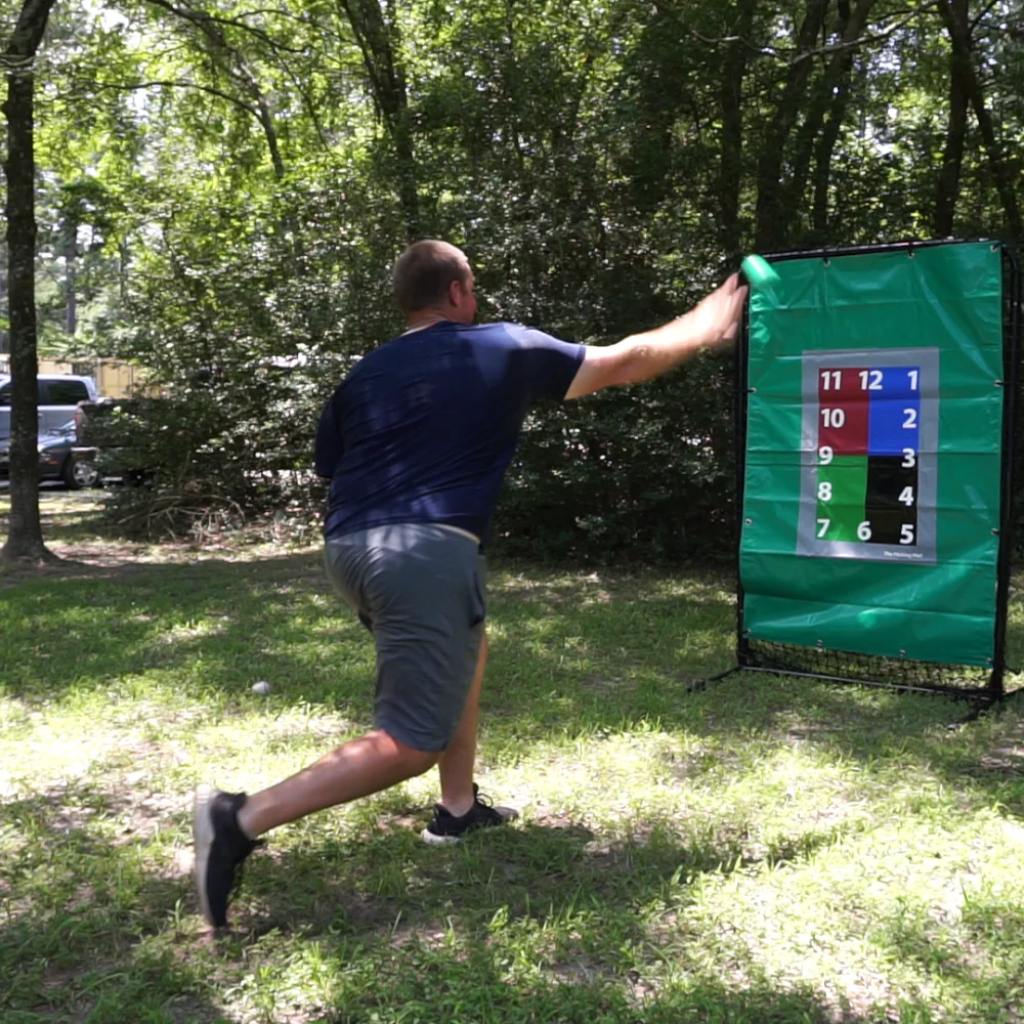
57 461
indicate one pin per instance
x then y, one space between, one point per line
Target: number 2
911 421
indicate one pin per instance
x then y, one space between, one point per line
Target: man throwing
416 442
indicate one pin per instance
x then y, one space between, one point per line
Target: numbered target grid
870 437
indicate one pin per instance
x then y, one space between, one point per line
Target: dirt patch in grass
1009 755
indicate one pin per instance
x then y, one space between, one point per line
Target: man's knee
417 761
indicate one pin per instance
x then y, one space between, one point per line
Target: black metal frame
994 690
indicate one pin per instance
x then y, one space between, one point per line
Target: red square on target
843 410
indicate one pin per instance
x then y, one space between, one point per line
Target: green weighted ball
758 272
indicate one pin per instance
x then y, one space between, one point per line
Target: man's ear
455 292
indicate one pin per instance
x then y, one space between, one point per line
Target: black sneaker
221 847
444 827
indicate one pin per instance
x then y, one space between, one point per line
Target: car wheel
79 474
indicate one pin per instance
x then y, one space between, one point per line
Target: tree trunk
823 157
5 343
25 537
824 118
959 29
70 266
771 212
377 39
948 186
730 174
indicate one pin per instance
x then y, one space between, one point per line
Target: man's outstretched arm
711 324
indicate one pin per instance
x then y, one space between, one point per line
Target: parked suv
59 395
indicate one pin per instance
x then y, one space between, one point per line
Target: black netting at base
968 680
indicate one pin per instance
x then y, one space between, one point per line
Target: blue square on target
894 410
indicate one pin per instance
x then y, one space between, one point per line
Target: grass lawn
767 851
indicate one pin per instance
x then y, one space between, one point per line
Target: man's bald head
423 274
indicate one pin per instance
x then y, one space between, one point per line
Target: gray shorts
421 590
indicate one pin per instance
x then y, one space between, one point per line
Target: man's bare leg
457 761
358 768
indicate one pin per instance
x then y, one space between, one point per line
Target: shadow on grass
518 927
579 657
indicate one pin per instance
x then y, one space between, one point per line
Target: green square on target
842 487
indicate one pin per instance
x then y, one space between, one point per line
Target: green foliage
649 476
247 313
241 177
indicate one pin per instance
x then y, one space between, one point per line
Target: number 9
825 454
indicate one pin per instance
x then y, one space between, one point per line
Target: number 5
907 533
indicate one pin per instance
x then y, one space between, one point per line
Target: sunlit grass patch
761 850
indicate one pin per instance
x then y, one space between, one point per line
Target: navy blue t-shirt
423 428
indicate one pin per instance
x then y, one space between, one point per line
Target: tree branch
988 7
822 51
213 30
203 19
133 86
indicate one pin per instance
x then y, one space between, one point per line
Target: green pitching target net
877 398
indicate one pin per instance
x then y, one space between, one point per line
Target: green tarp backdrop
871 498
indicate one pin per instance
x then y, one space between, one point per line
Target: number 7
823 525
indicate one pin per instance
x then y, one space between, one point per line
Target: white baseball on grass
262 688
